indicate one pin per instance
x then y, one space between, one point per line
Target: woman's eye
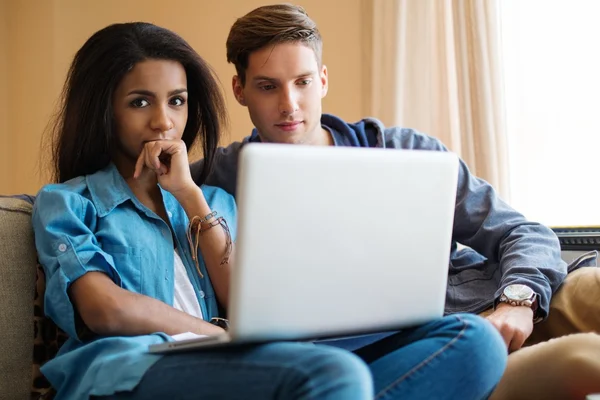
178 101
139 103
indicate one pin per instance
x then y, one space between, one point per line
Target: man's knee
575 307
579 365
578 350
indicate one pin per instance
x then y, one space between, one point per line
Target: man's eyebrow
152 94
267 78
264 78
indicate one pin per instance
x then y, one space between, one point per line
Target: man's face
283 91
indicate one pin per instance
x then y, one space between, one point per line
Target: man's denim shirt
95 223
503 247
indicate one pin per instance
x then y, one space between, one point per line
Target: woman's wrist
192 200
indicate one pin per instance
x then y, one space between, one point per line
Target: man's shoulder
225 157
412 139
399 137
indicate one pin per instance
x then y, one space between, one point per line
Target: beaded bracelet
199 226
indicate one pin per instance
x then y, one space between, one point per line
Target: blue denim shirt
95 223
502 246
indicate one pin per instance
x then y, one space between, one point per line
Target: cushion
17 277
47 339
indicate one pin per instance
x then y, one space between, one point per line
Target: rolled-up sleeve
64 223
224 203
528 252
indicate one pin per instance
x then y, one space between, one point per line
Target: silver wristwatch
520 295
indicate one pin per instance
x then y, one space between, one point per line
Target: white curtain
435 67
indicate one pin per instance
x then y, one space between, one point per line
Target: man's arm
224 172
527 252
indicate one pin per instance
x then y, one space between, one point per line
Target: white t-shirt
184 298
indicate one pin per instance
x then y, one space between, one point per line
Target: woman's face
150 103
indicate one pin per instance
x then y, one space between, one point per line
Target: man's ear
238 90
324 81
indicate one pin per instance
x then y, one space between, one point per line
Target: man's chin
280 138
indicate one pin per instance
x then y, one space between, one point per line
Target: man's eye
305 81
267 87
139 103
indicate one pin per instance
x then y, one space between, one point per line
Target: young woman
135 252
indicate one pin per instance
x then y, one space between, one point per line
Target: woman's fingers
153 152
139 165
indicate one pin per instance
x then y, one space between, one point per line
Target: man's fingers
517 341
505 330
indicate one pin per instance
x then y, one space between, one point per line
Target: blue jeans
456 357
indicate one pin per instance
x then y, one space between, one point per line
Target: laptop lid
340 240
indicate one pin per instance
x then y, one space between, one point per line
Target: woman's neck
144 187
145 183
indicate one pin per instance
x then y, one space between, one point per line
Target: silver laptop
336 241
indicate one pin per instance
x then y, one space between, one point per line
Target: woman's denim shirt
95 223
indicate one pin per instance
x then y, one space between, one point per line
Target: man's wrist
518 295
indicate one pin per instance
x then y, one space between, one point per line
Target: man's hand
515 324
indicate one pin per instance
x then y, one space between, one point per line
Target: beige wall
46 34
31 90
5 181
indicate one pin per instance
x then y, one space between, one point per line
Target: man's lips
289 126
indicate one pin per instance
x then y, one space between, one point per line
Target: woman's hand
169 160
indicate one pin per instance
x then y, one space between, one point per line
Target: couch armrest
578 238
17 280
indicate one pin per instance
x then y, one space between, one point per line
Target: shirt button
62 247
170 214
201 294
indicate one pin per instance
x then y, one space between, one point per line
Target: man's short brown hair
270 25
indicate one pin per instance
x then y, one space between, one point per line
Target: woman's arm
174 176
212 243
82 279
108 310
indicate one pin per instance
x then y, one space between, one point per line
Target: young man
511 266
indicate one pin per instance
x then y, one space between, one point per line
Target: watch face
518 292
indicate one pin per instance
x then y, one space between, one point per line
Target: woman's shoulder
75 185
71 188
72 194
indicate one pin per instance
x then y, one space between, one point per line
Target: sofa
29 339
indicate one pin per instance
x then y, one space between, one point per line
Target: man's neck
325 138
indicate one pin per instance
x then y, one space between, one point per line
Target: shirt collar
108 189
